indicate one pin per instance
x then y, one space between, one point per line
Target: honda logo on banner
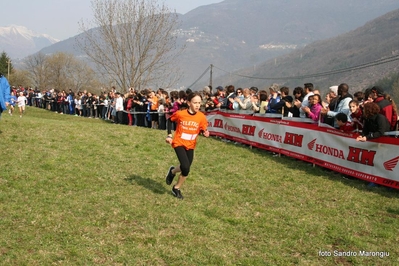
324 149
270 136
391 164
311 144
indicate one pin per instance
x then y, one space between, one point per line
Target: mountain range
354 58
19 42
237 34
246 33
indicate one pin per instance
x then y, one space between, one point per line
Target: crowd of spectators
371 113
338 109
149 108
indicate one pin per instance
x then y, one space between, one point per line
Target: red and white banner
375 161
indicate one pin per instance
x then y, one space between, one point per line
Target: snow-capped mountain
19 41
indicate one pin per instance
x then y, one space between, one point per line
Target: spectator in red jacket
385 105
343 123
356 114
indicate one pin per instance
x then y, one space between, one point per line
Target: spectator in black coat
298 94
375 124
285 98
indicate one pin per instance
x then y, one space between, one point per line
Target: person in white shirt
105 108
161 114
78 106
38 100
119 108
21 103
308 89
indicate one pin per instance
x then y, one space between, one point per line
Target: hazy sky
59 18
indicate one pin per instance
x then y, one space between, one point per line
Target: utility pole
210 81
8 66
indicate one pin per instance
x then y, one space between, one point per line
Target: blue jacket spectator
274 99
4 93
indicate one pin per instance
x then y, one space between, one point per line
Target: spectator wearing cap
274 98
386 108
220 89
254 90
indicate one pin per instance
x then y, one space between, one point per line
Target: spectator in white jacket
119 108
245 104
342 104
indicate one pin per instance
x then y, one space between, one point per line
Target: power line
321 74
203 74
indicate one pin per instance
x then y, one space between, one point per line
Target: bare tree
133 42
20 77
37 67
82 77
59 67
61 71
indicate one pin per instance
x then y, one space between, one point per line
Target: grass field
79 191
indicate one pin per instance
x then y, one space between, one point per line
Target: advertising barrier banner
375 161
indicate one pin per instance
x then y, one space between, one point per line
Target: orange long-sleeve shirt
154 105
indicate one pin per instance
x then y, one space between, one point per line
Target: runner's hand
169 139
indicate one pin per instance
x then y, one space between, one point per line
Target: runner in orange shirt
189 123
